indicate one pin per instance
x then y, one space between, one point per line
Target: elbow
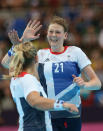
99 85
33 103
95 85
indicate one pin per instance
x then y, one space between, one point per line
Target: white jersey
56 70
29 118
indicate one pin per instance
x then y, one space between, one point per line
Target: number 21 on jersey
58 67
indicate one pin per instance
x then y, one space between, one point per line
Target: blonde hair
24 55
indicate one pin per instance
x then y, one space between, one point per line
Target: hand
70 107
30 32
79 81
13 36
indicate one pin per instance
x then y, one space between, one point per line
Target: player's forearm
94 84
6 61
44 104
41 103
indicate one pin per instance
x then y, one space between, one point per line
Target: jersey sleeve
30 84
82 59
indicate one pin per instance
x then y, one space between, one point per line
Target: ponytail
16 64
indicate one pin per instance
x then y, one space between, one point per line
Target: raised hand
30 32
13 36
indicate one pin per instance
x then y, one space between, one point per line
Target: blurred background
85 18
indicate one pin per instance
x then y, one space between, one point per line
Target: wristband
11 52
58 105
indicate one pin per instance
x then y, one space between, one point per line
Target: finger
78 79
36 24
73 112
74 76
35 37
16 38
29 23
10 34
33 23
16 35
13 34
38 28
75 79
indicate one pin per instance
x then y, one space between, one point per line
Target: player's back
29 118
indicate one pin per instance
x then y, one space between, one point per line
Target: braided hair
24 56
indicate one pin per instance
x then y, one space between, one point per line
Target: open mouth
53 39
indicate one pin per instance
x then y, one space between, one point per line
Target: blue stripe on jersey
41 76
70 94
62 75
33 118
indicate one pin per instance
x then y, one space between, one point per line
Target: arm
6 61
41 103
30 33
13 36
32 88
93 82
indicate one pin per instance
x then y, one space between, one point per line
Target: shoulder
30 80
25 79
41 51
74 49
29 77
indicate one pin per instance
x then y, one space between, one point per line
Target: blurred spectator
90 37
100 38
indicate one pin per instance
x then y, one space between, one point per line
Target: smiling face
56 36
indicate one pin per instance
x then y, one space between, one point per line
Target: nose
54 34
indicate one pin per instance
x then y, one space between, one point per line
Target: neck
30 69
57 49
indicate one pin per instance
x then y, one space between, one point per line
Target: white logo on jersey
59 67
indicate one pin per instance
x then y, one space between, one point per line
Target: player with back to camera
59 70
28 94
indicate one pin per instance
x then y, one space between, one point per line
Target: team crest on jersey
68 56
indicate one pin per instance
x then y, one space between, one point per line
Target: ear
36 59
65 35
